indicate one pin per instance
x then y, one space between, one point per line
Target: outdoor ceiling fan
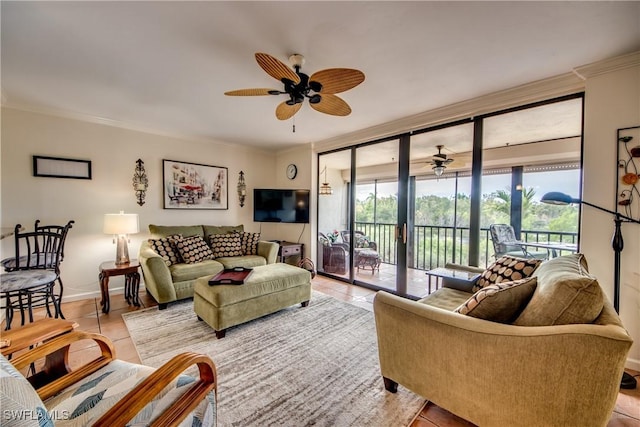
319 88
439 161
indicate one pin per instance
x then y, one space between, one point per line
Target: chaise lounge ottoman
268 289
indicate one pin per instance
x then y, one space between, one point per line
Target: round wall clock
292 171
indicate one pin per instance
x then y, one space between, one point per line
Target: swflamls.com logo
33 414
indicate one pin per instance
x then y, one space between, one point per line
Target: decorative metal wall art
628 172
140 182
242 189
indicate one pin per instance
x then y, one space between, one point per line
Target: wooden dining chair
29 282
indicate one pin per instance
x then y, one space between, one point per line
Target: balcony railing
433 246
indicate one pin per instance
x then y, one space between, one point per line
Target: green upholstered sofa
175 282
509 374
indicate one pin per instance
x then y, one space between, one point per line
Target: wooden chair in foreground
104 391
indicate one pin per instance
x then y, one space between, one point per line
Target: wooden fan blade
332 104
249 92
285 111
336 80
275 68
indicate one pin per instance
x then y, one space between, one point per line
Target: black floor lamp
617 243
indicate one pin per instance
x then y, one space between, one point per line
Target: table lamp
617 244
120 225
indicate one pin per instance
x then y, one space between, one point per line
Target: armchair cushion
166 248
222 229
502 302
226 245
158 231
566 294
18 396
88 399
193 249
505 269
184 272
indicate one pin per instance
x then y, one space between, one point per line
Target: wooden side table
131 281
289 249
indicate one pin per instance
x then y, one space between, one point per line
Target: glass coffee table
455 277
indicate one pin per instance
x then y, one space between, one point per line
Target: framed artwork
57 167
194 186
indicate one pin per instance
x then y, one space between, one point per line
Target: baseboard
633 364
96 294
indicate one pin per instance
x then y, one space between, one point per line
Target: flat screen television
289 206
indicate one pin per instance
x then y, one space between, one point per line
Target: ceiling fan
319 88
439 161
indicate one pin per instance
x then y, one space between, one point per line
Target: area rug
313 366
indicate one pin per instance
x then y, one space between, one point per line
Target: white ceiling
164 66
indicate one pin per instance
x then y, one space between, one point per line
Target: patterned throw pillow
362 241
193 249
507 268
502 302
250 243
166 248
225 245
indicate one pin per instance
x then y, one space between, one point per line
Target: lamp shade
557 198
121 223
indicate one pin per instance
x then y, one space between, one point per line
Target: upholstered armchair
104 391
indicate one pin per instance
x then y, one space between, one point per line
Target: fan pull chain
294 125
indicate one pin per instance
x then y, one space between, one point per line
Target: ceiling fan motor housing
298 92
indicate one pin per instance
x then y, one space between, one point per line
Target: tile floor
88 315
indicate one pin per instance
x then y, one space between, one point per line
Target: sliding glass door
375 220
439 190
389 210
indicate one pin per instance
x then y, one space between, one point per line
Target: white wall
113 152
612 101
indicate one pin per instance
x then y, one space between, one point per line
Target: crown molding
540 90
608 65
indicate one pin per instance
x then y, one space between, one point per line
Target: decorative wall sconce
325 188
140 182
242 189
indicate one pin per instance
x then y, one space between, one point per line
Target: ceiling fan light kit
319 88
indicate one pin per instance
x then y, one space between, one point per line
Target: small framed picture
194 186
57 167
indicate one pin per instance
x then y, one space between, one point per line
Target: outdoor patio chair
365 251
504 241
335 256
